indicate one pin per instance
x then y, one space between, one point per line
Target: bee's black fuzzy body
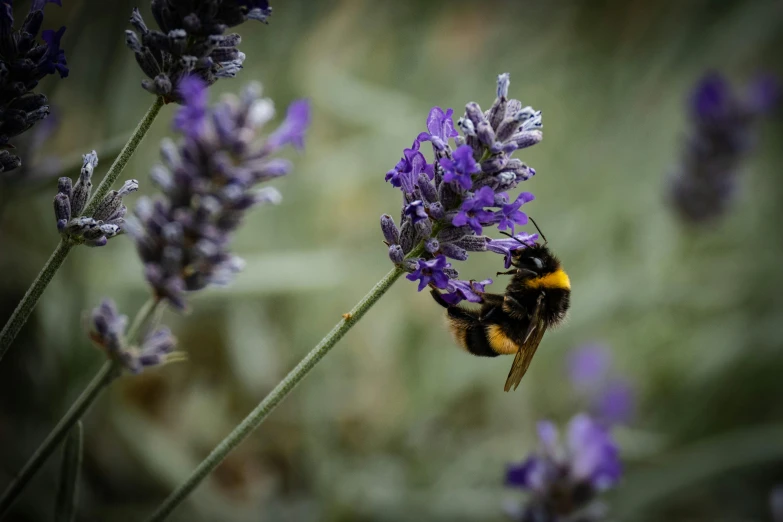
536 298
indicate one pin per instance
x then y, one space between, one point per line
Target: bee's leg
439 298
514 307
492 299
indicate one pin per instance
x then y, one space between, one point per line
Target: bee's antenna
539 231
513 237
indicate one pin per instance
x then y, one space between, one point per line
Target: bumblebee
537 298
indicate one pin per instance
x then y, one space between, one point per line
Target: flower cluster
71 200
191 41
564 479
448 203
208 181
722 135
23 63
610 397
107 330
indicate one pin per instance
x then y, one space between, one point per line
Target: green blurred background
397 423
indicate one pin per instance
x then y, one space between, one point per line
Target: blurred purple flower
107 331
190 118
292 130
723 131
209 182
565 477
610 398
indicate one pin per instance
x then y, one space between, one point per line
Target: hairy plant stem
265 407
107 373
27 304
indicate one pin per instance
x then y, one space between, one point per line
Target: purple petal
292 130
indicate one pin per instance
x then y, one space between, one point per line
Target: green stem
265 407
105 375
122 159
108 372
30 299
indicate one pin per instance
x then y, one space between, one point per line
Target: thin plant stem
68 490
108 372
30 299
105 375
265 407
124 156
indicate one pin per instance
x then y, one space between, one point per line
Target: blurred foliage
397 423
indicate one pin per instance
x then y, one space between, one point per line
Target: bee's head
534 261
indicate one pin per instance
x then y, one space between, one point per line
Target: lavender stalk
109 327
30 300
275 397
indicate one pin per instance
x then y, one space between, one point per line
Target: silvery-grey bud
113 200
62 210
83 187
389 229
396 254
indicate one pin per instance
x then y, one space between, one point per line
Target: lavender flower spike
209 183
71 199
447 204
564 478
191 42
107 331
722 135
24 62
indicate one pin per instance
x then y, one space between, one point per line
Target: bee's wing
533 335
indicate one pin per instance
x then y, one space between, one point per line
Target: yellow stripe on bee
557 279
500 342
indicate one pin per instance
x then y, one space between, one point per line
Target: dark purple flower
461 169
565 477
440 127
431 271
54 55
712 97
209 182
472 211
189 119
506 246
510 215
191 41
107 331
293 129
465 291
415 211
723 133
24 62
